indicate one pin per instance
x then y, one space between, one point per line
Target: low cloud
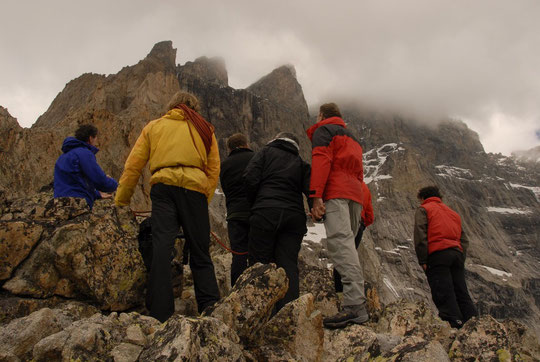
475 60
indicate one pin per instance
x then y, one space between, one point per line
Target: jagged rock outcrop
251 300
485 339
59 248
294 333
271 105
17 339
120 337
201 339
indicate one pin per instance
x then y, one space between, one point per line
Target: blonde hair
184 98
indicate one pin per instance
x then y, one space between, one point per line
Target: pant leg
442 286
339 223
288 242
193 208
239 238
165 226
262 236
464 301
337 277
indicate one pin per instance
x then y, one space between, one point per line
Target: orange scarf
203 127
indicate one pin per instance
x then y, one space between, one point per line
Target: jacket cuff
315 193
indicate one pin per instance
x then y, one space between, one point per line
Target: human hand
105 195
318 210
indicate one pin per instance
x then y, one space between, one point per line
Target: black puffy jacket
276 177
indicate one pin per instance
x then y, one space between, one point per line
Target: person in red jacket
367 219
336 191
441 246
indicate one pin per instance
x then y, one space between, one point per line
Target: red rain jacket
336 164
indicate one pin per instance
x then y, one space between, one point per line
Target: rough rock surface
17 339
98 338
17 238
295 332
486 339
403 319
81 254
248 306
194 339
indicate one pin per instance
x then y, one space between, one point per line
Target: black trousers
337 277
446 277
239 238
173 207
275 236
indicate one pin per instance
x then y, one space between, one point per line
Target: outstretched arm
137 159
95 174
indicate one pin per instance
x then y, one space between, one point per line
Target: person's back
441 245
76 172
232 184
278 178
275 179
183 156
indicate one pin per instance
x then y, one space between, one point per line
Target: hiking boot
350 314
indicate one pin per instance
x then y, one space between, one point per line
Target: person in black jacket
238 212
275 179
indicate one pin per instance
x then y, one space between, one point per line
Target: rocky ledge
74 280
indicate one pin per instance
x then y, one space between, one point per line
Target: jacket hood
285 144
176 114
71 143
331 120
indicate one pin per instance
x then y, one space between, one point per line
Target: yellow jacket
177 157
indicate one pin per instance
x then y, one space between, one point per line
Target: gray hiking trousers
342 222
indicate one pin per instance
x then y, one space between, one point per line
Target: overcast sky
476 60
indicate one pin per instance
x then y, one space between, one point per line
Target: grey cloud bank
474 60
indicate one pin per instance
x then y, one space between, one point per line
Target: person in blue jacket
77 173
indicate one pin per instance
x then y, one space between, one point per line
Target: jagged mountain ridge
400 156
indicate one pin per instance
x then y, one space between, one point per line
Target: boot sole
357 320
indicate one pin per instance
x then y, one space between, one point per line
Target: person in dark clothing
238 212
367 219
441 246
77 173
275 179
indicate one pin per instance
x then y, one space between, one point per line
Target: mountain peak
164 52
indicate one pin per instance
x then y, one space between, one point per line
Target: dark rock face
273 104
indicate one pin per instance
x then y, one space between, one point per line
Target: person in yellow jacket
182 153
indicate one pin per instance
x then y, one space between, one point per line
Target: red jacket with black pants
441 244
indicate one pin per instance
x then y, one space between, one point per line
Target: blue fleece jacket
77 173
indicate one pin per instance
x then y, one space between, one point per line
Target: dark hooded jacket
232 184
276 177
77 173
